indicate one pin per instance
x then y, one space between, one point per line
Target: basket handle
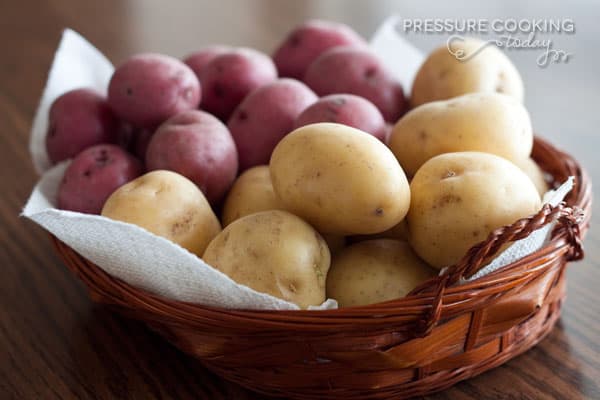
568 220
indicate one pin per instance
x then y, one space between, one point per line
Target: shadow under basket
440 334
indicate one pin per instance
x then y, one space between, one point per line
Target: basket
438 335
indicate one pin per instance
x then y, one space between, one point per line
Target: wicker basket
440 334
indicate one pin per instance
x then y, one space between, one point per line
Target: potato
535 173
357 71
198 60
168 205
251 192
273 252
265 116
346 109
93 175
79 119
229 77
457 199
306 42
147 89
375 271
443 76
199 147
486 122
340 179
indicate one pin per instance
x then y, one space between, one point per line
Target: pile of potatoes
329 182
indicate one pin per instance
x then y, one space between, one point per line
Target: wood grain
54 344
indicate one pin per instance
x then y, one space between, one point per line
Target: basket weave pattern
438 335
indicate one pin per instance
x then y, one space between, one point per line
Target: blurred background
561 98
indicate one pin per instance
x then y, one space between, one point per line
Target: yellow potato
168 205
251 192
487 122
535 173
273 252
374 271
340 179
457 199
484 69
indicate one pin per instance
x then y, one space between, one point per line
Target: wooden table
55 344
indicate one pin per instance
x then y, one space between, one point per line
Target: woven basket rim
550 159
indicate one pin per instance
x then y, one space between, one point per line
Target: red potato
93 175
228 78
148 89
198 60
305 43
265 116
198 146
357 71
347 109
79 119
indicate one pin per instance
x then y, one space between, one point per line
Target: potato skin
93 175
535 173
340 179
346 109
231 76
77 120
149 88
251 192
265 116
198 60
198 146
486 122
273 252
309 40
168 205
443 76
457 199
374 271
356 70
